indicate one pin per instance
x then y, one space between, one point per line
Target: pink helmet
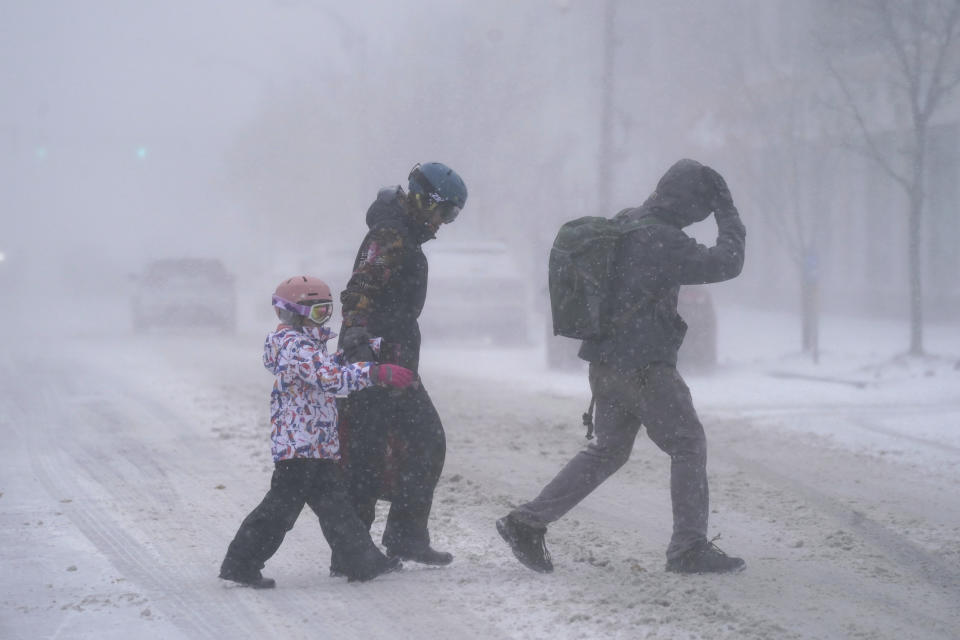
300 289
303 297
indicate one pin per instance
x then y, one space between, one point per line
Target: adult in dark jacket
633 373
383 298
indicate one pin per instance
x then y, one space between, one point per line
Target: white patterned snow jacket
303 410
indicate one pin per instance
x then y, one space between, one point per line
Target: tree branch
874 150
938 88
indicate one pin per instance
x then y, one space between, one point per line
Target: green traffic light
40 153
141 152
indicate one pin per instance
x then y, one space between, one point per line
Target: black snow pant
317 483
658 398
407 418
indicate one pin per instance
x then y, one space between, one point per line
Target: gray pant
655 397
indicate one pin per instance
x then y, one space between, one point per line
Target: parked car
698 353
699 349
477 293
184 292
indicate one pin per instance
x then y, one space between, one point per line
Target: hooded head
686 192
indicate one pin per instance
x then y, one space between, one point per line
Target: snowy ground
128 462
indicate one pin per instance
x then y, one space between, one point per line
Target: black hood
391 205
685 193
387 206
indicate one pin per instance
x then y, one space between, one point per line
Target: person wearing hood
384 297
633 374
305 440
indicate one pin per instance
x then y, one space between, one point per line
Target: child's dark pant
317 483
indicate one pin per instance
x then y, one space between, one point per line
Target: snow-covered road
127 467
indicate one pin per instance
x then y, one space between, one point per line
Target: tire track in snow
857 416
125 553
866 425
75 464
61 471
906 555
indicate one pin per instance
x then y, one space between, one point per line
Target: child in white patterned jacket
305 441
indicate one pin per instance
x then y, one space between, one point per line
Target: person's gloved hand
722 200
356 345
392 375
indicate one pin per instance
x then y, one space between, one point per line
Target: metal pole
605 160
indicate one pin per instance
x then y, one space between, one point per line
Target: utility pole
605 152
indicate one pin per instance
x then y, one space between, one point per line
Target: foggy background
259 131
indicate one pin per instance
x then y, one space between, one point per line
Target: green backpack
581 271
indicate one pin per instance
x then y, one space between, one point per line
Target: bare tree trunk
921 39
810 300
914 266
916 193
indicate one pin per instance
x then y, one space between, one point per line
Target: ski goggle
448 212
319 312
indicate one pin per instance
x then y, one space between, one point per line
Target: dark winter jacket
654 260
388 287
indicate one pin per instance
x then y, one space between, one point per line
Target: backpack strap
630 222
588 417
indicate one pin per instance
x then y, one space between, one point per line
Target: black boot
372 564
705 557
337 569
424 554
527 543
249 578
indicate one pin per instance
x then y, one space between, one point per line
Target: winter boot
706 557
337 570
372 564
249 578
527 543
424 554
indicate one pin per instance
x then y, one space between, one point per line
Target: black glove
722 200
356 345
